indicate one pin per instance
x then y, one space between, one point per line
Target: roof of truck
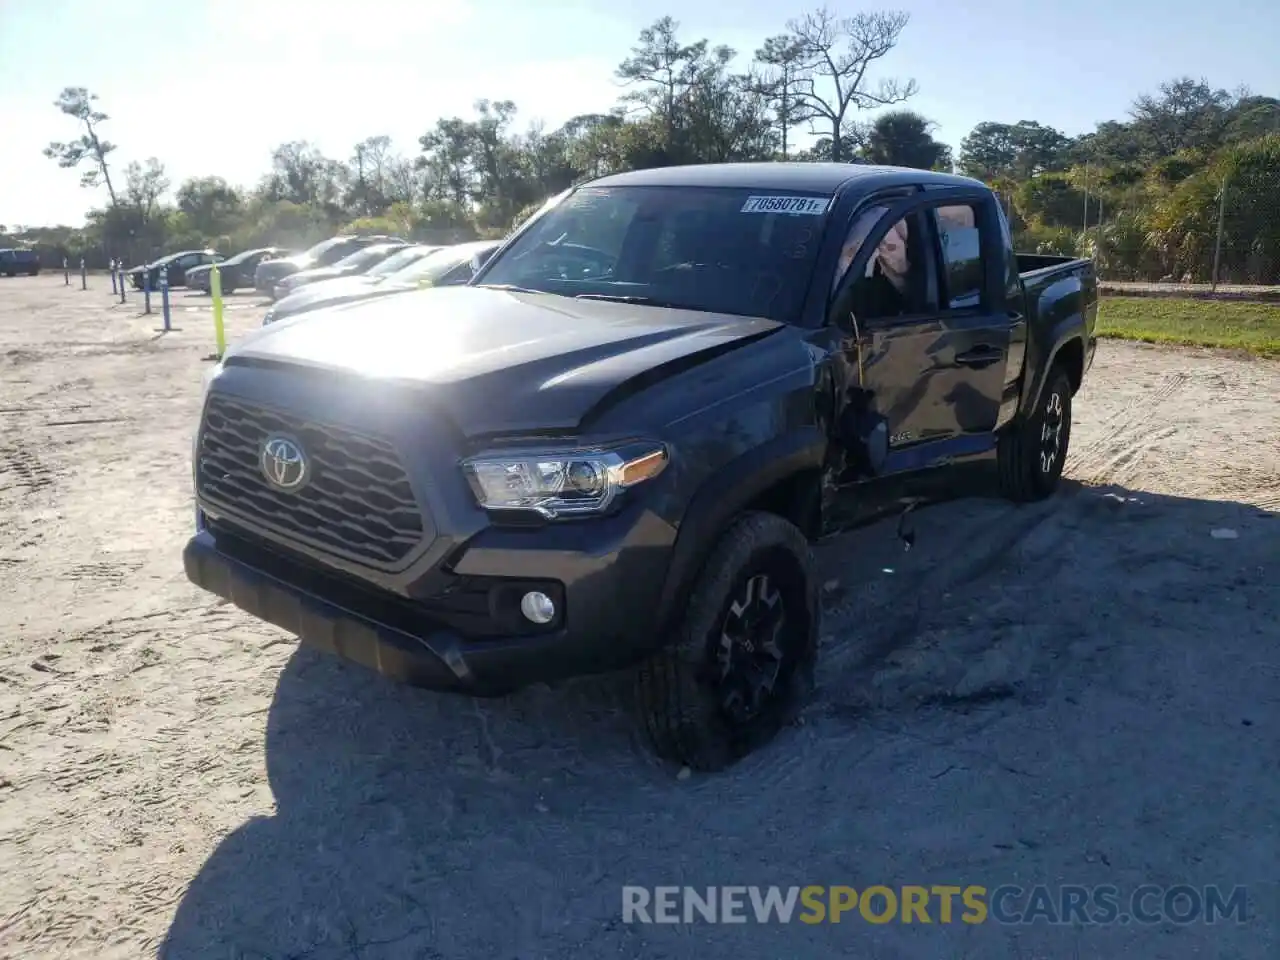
813 177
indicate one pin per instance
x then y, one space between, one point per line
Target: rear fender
1060 316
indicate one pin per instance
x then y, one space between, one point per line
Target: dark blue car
14 262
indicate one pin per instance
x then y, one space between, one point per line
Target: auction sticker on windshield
807 206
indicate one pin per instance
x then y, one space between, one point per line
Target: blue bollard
146 292
84 276
112 267
164 296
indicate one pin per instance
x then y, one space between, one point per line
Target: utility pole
1085 226
1217 245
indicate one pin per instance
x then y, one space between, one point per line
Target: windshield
363 258
240 258
433 268
323 247
399 260
738 251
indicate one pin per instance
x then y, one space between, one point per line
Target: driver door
930 363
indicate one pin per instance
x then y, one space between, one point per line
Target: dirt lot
1078 692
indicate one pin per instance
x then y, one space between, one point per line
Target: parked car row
234 273
148 274
351 265
410 268
326 253
263 268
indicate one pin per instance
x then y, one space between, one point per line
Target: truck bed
1035 262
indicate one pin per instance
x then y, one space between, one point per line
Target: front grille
357 503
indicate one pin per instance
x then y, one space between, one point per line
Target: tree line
1144 194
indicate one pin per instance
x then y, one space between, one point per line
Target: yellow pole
215 288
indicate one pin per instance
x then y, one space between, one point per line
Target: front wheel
743 657
1031 453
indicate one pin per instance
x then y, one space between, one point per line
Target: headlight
555 483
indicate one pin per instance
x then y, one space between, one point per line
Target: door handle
980 356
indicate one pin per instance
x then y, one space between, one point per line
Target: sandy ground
1077 692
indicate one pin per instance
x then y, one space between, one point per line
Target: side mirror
480 259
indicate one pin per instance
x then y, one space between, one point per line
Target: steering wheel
569 261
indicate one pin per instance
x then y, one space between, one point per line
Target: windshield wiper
633 298
509 287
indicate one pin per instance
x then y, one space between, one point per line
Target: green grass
1254 327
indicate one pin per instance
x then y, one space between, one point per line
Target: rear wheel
1033 452
742 661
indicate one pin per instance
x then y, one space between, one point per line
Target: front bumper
607 597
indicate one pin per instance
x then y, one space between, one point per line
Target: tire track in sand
1114 453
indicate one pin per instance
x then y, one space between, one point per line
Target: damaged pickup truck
613 448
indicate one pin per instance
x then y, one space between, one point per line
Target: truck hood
501 362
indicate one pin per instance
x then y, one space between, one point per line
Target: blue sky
334 73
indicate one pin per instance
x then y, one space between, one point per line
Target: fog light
537 607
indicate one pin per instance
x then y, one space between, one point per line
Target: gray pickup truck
612 448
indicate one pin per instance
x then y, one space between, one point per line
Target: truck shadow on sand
956 677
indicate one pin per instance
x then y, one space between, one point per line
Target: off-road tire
680 699
1030 463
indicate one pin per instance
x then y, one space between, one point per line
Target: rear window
18 256
961 242
722 250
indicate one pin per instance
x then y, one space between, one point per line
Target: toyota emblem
283 463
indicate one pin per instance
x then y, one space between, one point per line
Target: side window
187 262
960 239
894 282
858 230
